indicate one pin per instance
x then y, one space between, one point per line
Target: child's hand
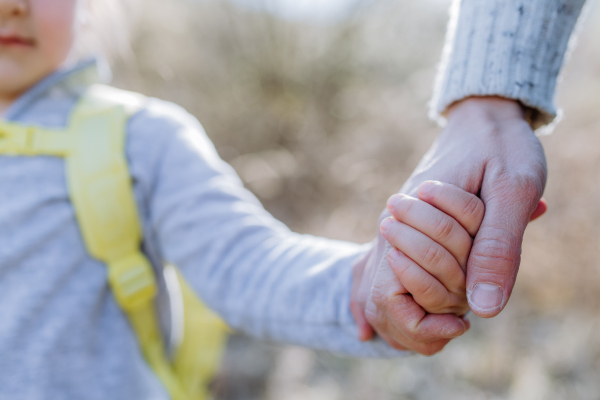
432 237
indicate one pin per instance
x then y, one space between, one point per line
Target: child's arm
432 237
247 266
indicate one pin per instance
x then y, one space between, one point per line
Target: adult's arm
513 49
509 48
495 85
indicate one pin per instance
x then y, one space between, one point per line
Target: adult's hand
488 149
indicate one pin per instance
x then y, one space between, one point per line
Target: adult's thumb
496 252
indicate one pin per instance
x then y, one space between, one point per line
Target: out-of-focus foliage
323 121
308 114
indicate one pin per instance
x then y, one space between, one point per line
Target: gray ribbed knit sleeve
510 48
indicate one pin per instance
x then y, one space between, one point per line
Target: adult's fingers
394 313
365 331
362 288
399 320
426 349
411 322
540 210
496 253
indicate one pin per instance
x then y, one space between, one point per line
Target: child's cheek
54 22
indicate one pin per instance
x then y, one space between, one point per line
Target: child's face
36 37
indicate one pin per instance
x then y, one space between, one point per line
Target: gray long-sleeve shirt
62 335
509 48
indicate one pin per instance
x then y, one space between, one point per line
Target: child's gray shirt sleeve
509 48
247 266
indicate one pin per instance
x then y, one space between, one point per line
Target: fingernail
486 297
385 225
393 201
427 187
394 254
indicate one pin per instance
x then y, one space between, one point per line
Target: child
63 336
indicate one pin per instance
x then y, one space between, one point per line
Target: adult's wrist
492 109
486 116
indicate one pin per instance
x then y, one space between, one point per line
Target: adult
495 87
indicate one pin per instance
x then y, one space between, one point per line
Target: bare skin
487 149
431 236
36 37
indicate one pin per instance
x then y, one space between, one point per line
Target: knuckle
382 297
474 209
378 298
413 332
437 301
503 248
490 262
444 228
429 291
527 186
433 255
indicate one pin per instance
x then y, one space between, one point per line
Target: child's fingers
430 255
464 207
432 222
427 291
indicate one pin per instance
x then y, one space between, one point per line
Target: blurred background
320 106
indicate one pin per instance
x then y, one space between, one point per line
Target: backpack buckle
132 280
16 140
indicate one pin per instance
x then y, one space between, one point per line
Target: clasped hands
451 240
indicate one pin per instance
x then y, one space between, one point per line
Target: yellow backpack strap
204 338
16 139
102 194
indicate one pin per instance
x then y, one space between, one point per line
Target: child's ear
540 210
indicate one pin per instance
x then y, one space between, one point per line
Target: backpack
93 145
